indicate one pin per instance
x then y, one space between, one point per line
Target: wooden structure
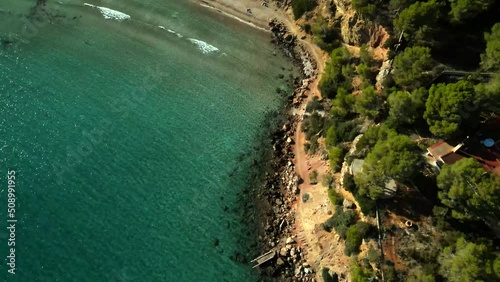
263 258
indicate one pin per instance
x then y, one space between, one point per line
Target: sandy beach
251 12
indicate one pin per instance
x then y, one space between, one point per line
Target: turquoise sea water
126 138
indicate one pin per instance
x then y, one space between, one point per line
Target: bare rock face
343 6
354 29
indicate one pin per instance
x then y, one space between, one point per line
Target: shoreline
208 5
237 10
276 205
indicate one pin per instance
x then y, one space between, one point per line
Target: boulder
215 242
289 240
284 252
348 204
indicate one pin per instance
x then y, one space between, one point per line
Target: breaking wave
204 46
110 13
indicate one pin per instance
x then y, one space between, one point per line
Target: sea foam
176 33
110 13
204 46
171 31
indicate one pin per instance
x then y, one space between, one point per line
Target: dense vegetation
415 107
302 6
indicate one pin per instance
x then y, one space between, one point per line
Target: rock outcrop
354 28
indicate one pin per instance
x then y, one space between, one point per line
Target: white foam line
204 46
110 13
176 33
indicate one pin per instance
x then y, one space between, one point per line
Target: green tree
418 21
335 155
331 137
405 108
418 275
334 75
371 183
491 58
299 7
401 109
343 104
365 7
400 4
328 181
325 35
358 273
312 125
341 220
314 105
373 255
395 158
489 95
366 75
373 135
335 198
448 106
466 9
368 103
364 55
412 68
468 261
355 235
469 191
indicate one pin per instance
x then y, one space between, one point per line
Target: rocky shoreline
280 188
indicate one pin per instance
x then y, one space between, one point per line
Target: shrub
349 183
307 28
348 130
342 220
325 274
355 235
373 255
314 145
314 105
365 8
313 177
299 7
327 181
365 55
335 155
335 198
305 197
359 274
325 35
331 137
366 204
328 224
312 125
